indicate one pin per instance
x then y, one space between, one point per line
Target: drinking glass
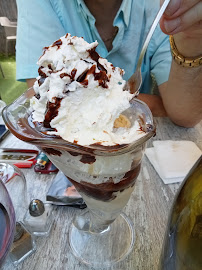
15 182
7 223
104 175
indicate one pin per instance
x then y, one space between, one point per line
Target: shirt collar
124 10
83 8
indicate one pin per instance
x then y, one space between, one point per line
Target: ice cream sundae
93 131
79 97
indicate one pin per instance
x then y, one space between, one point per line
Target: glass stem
89 221
98 224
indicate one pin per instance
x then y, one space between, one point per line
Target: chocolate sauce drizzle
51 151
73 73
62 75
57 43
52 111
105 191
41 73
101 77
88 159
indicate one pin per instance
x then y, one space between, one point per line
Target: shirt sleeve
161 56
38 26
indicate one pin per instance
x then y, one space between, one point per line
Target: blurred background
10 89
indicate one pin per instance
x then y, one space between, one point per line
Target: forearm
155 104
182 97
30 82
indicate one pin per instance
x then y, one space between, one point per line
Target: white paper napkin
173 159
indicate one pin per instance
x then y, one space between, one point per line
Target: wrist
188 46
183 60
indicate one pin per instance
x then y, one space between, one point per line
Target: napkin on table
173 159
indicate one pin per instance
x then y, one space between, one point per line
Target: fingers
188 16
178 7
197 28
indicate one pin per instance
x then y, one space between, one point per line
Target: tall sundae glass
104 176
103 170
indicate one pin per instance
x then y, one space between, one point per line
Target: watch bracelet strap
180 59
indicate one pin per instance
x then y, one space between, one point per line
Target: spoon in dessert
134 83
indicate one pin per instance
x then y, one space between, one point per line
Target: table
148 208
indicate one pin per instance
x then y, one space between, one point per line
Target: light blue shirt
41 22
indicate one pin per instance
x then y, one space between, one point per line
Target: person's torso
133 20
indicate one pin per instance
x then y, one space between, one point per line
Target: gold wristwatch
181 60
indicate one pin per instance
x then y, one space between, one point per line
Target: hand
183 19
182 16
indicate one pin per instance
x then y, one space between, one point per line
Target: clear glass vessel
23 245
7 223
15 182
104 176
40 224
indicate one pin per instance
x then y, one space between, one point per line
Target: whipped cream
80 94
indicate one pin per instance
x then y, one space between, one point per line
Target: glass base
103 249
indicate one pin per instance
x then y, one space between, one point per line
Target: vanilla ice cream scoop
79 95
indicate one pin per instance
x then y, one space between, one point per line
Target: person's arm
30 82
182 94
155 104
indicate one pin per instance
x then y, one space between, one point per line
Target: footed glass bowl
104 176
